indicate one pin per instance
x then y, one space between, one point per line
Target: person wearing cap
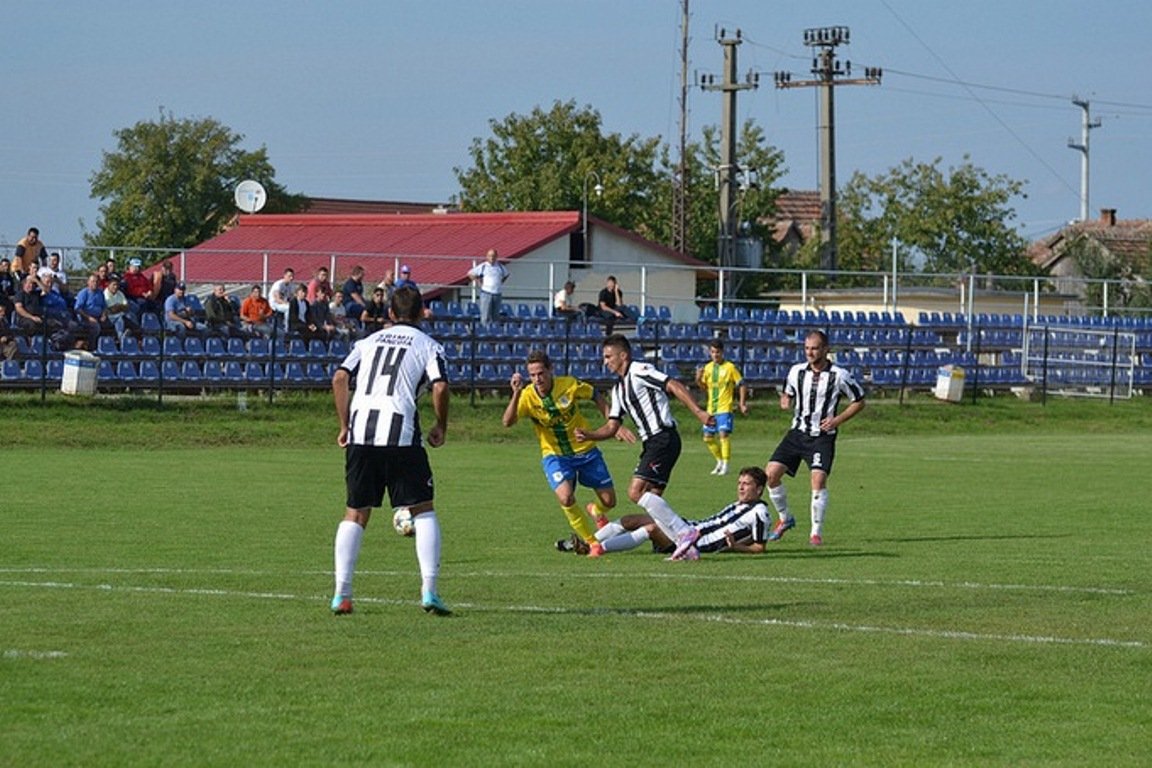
406 278
178 314
138 288
353 288
490 274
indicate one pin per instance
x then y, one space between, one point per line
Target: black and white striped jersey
747 522
642 393
393 367
816 395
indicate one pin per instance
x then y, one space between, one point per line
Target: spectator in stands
388 284
300 322
341 325
110 263
562 305
91 310
490 275
29 306
256 313
179 314
9 283
118 309
375 315
321 317
8 345
220 313
164 283
611 305
812 391
138 288
102 276
320 287
280 295
406 281
719 380
28 249
353 289
52 276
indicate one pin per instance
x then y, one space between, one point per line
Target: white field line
682 575
651 615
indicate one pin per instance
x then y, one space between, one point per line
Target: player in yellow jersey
720 380
552 404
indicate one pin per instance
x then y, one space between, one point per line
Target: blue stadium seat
106 347
190 371
255 372
213 371
194 347
236 348
214 348
233 371
126 371
33 370
149 323
317 372
258 348
149 370
173 347
55 369
11 370
170 370
294 373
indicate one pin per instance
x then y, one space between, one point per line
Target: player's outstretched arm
681 393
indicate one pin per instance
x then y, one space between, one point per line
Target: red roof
432 244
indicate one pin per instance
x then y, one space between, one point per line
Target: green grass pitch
983 598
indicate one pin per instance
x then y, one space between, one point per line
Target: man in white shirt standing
491 275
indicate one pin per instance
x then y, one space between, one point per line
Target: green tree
170 184
544 161
950 221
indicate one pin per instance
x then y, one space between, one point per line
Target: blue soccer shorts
723 424
587 469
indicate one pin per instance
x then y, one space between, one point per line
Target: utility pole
729 170
1086 125
829 72
680 189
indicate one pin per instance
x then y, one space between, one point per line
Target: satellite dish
250 196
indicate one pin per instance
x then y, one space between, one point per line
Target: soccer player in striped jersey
742 526
552 403
384 449
812 391
720 379
642 392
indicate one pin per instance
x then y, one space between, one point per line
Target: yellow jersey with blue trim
556 416
720 382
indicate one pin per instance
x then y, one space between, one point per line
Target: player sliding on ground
742 526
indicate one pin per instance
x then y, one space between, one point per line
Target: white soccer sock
349 534
626 540
428 548
612 529
663 515
779 498
819 504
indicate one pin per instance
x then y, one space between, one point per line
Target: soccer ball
402 522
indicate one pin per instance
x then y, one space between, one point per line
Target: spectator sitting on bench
612 307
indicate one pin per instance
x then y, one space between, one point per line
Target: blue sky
381 99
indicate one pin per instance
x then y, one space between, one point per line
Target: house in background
541 249
795 221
